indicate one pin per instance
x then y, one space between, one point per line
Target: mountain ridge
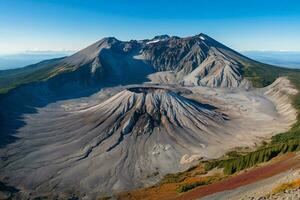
112 57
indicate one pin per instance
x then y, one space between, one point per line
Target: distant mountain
197 60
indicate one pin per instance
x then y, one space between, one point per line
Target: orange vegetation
287 186
286 162
167 188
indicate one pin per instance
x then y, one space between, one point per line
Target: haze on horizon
72 25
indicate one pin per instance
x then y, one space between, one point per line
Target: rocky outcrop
197 60
280 92
217 71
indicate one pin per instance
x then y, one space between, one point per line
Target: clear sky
73 24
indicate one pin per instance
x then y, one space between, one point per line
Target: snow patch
202 38
153 41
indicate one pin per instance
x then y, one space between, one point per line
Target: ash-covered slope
280 92
197 60
114 145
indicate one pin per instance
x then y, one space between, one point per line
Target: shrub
173 178
250 159
104 198
189 186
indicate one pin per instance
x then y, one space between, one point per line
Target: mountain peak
202 36
161 37
109 40
195 60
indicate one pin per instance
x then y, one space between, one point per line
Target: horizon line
76 50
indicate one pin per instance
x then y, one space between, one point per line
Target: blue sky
73 24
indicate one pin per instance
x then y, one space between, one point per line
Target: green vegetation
104 198
294 132
283 137
182 176
191 168
262 75
205 181
264 154
233 154
189 186
173 178
10 79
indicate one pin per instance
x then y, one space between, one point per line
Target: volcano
119 115
136 132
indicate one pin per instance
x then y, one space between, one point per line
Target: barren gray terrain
115 139
120 115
